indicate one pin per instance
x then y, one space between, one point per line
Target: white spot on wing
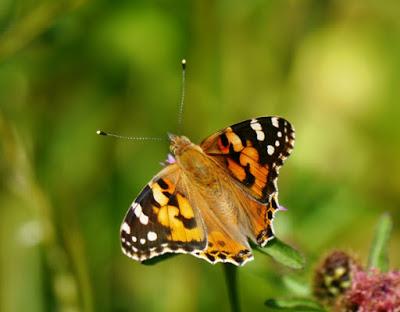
134 239
279 134
137 210
126 228
256 126
270 150
260 135
144 219
142 241
275 122
277 143
151 236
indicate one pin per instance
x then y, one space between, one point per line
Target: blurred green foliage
68 68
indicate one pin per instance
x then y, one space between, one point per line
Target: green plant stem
231 282
379 253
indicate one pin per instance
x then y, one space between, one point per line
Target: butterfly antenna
101 132
180 114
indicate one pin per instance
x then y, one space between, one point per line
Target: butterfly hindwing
252 218
162 220
252 152
222 248
226 242
259 217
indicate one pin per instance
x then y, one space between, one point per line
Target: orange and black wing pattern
252 152
161 220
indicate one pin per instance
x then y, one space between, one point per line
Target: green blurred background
68 68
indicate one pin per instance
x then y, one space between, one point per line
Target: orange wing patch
185 208
222 248
260 217
171 216
162 189
233 139
175 212
256 174
236 169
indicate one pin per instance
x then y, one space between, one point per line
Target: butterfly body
214 197
194 163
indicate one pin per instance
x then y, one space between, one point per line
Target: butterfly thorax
194 162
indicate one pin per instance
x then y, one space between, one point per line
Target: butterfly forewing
252 152
161 220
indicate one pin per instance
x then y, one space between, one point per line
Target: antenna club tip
183 63
99 132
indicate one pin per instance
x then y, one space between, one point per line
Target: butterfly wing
257 218
252 153
161 220
225 241
222 247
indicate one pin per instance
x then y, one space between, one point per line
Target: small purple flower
373 291
170 160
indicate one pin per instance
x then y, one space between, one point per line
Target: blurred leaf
33 24
378 256
294 304
283 254
231 283
299 288
158 259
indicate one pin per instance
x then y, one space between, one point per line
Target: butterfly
211 199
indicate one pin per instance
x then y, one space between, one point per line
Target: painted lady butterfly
211 198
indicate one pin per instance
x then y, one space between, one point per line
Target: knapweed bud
333 277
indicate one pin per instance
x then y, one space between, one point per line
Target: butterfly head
178 143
